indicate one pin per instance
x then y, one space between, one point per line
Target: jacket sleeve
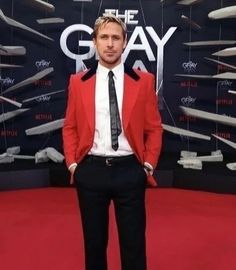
152 127
69 131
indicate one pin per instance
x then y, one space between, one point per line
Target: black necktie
114 112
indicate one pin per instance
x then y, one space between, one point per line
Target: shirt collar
117 70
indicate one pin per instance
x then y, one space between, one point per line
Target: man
112 147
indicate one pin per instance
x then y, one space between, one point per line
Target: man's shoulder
137 74
78 75
143 74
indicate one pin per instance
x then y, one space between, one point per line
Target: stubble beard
110 62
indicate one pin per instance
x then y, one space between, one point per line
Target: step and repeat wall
188 45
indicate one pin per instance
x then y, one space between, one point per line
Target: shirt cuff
148 168
72 165
148 165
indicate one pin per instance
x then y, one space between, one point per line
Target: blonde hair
105 19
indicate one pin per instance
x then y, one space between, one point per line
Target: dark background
208 95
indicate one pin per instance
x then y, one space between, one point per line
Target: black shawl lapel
128 70
131 72
90 72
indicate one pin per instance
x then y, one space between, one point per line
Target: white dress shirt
102 137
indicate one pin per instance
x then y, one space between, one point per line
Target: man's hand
148 168
72 172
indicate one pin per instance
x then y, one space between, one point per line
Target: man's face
110 44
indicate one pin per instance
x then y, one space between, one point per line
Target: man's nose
110 42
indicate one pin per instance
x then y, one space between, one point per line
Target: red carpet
187 230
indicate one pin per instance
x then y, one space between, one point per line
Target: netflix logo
43 83
185 84
43 116
187 118
8 133
225 135
224 101
224 68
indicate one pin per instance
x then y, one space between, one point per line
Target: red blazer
140 116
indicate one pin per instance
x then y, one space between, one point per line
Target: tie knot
110 74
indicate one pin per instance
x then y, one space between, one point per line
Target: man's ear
125 43
94 41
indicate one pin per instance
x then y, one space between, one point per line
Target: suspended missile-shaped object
30 80
54 155
231 166
9 66
43 5
210 43
223 13
14 150
16 24
47 154
193 24
211 158
220 63
45 128
214 156
226 120
195 76
232 92
23 157
184 132
13 102
228 142
43 96
2 49
226 52
190 163
161 1
224 76
187 154
50 20
196 161
41 156
83 0
6 116
188 2
12 50
12 153
6 158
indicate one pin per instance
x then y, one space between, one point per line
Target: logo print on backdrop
189 66
191 83
224 101
43 98
224 85
42 64
188 101
6 81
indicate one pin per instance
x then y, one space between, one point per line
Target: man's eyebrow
112 35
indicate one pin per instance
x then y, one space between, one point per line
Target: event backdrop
61 45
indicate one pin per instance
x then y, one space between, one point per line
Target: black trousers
123 180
